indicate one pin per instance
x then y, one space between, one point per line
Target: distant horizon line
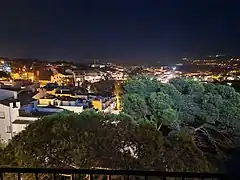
117 61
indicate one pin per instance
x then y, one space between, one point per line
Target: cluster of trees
210 113
98 140
181 126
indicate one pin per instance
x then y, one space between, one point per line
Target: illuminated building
105 104
117 93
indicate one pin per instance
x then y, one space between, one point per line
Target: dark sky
122 30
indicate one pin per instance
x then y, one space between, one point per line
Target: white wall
4 122
76 109
27 118
93 79
8 114
14 113
17 128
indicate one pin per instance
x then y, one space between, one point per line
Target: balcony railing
100 174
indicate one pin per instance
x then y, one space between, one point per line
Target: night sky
127 31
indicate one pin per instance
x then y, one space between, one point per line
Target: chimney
18 105
11 105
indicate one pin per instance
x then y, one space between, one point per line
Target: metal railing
100 174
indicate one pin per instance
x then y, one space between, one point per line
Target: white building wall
4 123
76 109
8 114
27 118
93 78
17 128
14 113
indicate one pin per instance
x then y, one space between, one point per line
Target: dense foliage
91 140
210 112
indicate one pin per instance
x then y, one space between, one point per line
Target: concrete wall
14 113
27 118
4 122
8 114
76 109
17 128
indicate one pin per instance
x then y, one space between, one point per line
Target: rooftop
11 88
33 114
65 98
18 121
23 97
51 106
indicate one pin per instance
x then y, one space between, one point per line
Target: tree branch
215 141
159 127
205 132
199 127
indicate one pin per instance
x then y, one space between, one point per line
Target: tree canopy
93 140
210 111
